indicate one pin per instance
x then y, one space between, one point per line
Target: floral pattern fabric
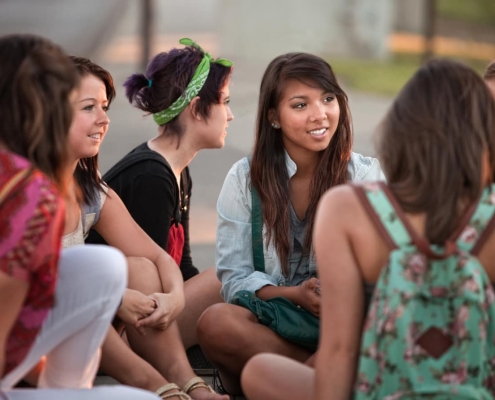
430 329
30 232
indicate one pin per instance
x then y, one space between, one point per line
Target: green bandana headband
193 88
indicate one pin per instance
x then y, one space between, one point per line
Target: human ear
194 104
273 118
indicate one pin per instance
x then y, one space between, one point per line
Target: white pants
90 286
97 393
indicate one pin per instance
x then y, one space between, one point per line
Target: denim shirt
234 257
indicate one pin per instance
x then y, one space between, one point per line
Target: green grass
383 77
477 11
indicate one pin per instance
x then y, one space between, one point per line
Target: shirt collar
290 165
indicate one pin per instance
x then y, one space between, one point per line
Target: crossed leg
157 357
274 377
230 335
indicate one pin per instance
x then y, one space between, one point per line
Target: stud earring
275 125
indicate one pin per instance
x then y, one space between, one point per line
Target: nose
318 112
103 118
230 116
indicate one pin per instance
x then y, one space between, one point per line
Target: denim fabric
234 257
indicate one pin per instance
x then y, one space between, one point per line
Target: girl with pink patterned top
53 309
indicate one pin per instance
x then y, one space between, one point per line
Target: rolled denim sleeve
364 168
375 173
234 257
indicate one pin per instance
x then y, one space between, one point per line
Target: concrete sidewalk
108 32
129 127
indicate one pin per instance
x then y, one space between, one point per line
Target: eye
226 102
328 99
299 105
89 108
106 108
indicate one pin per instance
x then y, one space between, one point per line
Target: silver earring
275 125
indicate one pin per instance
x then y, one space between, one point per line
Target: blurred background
374 46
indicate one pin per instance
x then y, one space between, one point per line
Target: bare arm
118 229
304 295
342 298
12 294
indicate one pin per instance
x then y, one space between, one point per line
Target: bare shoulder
340 199
113 209
112 199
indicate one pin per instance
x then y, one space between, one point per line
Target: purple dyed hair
170 74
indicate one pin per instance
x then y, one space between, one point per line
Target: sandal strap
196 383
179 395
171 386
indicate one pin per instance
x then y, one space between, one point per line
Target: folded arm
118 229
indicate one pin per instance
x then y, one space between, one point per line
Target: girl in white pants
51 307
90 286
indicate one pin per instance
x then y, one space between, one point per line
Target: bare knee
143 275
253 373
209 325
221 327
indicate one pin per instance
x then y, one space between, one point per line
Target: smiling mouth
95 136
318 132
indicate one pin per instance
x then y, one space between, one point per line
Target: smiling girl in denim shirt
303 147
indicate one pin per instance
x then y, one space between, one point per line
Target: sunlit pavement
108 32
129 128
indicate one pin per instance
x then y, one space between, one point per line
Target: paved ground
129 128
107 32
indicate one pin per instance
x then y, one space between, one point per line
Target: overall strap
384 214
473 234
388 216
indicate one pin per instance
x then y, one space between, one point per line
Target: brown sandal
172 386
196 383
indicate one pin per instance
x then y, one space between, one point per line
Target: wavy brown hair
433 141
269 175
36 80
86 174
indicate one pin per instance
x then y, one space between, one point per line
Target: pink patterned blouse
31 227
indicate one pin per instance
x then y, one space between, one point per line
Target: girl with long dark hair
303 147
375 241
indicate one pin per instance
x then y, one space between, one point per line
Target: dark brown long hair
432 143
86 173
490 71
269 174
36 80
